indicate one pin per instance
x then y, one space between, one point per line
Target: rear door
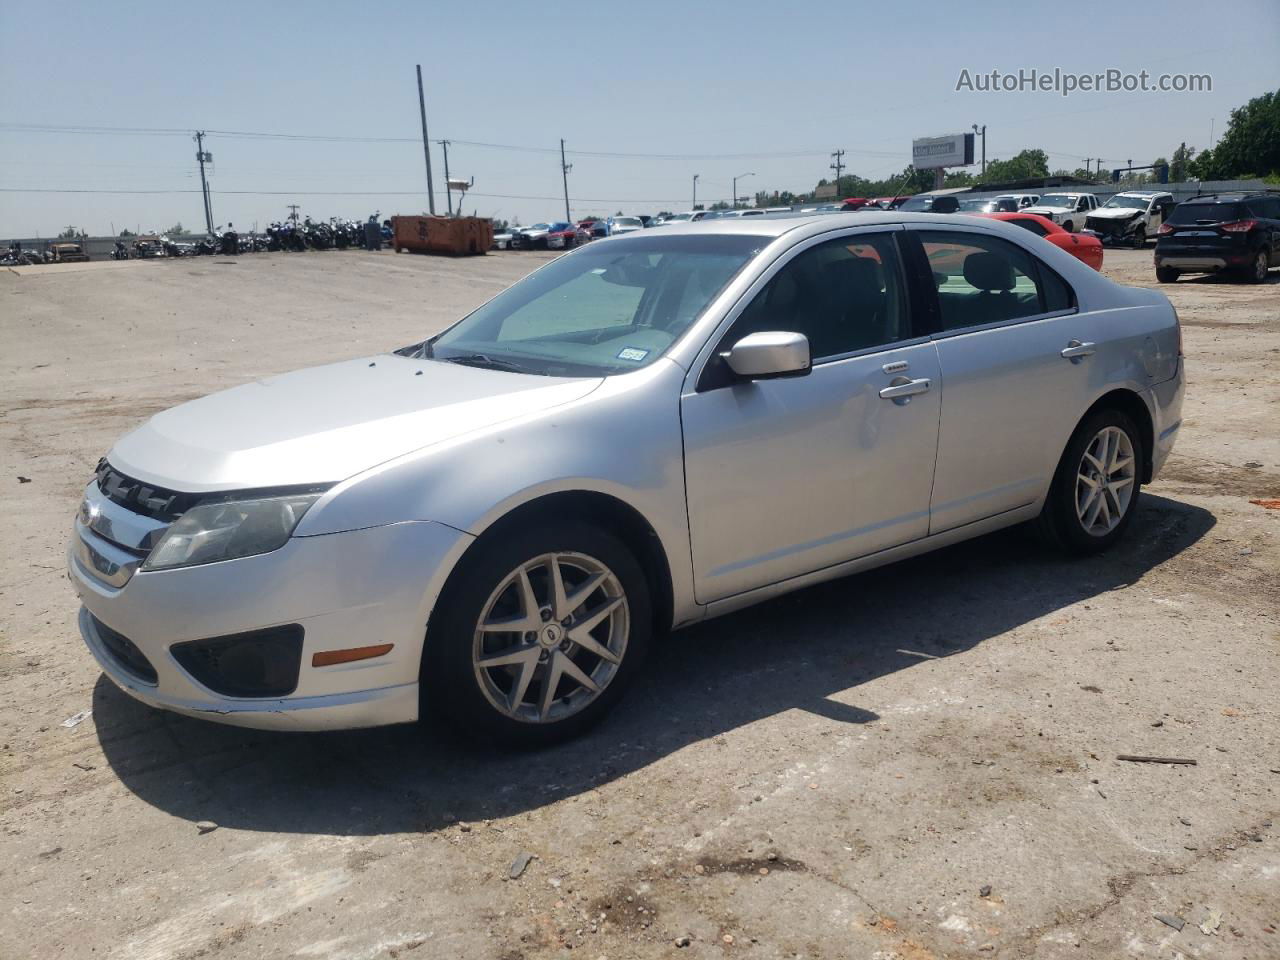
787 476
1014 355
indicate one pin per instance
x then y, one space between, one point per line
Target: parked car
535 237
1238 232
979 207
587 226
889 203
502 238
571 236
1085 248
1069 210
599 229
493 523
1130 217
931 203
619 225
1013 202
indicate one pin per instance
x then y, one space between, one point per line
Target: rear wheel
1258 270
1166 274
1095 488
537 635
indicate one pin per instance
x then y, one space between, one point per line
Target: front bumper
355 589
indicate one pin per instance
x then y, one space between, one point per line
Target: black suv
1237 232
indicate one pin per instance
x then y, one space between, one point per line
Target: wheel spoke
528 598
583 592
1088 455
509 656
559 603
576 672
589 643
1091 515
550 680
527 670
1088 501
593 619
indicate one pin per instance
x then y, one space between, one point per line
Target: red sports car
1085 248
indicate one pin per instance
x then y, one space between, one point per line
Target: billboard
953 151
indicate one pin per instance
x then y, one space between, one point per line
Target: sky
645 96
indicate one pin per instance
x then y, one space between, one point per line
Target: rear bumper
1166 401
1203 263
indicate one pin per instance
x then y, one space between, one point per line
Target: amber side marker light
327 658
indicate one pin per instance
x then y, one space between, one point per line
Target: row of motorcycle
288 235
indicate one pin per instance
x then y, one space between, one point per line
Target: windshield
1127 203
627 222
611 308
1057 200
539 226
917 204
678 216
978 206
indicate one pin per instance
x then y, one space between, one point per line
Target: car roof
1143 193
774 225
1227 197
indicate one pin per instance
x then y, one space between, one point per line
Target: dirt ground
919 762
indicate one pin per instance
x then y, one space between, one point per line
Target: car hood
1115 213
534 233
325 424
1043 210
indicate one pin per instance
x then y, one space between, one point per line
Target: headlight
228 529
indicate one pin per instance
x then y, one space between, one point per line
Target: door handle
1076 351
902 389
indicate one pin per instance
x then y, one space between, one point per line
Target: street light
983 131
695 191
735 187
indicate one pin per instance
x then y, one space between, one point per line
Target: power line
339 193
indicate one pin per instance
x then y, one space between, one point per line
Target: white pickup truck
1068 210
1131 217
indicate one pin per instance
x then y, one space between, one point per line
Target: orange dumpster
457 236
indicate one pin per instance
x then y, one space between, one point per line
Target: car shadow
1228 279
794 652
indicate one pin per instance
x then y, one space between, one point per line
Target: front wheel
1069 226
1166 275
1095 488
537 634
1140 238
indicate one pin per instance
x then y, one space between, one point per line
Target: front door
787 476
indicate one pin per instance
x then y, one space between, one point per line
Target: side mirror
769 354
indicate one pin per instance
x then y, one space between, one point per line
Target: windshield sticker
632 353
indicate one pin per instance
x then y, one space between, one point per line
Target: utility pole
204 184
448 192
564 174
426 147
694 205
837 167
293 211
983 132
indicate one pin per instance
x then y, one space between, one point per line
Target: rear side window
1190 213
1268 207
983 280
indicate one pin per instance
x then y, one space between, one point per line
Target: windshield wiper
483 360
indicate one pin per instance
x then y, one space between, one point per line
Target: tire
489 702
1258 270
1140 238
1069 226
1085 532
1166 275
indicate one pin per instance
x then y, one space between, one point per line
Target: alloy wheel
551 637
1105 481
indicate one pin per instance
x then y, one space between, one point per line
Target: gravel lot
914 763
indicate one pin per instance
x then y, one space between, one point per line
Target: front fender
622 440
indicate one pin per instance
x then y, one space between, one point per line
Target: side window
844 295
983 279
1266 207
1026 223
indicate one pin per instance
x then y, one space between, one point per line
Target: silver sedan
656 429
